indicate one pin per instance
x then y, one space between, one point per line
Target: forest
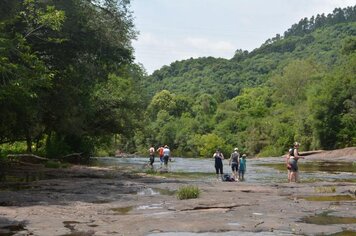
69 84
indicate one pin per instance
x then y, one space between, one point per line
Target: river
261 170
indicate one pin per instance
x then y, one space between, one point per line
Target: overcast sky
171 30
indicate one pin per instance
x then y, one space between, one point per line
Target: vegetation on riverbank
69 86
294 88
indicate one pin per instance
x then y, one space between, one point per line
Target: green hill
295 87
225 78
69 84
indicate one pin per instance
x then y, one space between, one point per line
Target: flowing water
261 170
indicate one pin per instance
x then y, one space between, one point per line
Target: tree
162 101
24 75
205 105
56 55
291 85
332 106
206 144
97 44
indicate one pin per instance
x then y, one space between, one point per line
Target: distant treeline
299 87
68 84
306 26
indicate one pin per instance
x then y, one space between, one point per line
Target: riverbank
110 201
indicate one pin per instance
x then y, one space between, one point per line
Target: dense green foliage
296 87
68 84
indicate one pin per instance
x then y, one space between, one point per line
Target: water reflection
229 233
122 210
344 233
327 166
331 198
326 219
156 191
261 170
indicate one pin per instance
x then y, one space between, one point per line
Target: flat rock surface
104 201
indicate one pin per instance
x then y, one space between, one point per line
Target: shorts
294 165
234 167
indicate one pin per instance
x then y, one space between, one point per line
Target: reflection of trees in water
328 166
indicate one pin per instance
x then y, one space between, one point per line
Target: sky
171 30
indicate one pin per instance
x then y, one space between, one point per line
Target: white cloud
153 49
208 45
196 28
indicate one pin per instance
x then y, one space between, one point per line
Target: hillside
224 79
70 85
295 87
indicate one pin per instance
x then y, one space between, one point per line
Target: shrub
9 148
188 192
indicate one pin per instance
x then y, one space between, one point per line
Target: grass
188 192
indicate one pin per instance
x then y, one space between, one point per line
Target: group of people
237 163
164 155
292 158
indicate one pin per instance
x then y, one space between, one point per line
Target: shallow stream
260 170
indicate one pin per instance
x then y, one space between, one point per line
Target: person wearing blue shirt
242 167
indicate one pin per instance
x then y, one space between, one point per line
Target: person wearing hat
242 167
293 161
166 155
234 163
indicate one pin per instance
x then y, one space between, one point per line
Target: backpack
291 151
227 178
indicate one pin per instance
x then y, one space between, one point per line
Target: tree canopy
68 84
295 87
67 72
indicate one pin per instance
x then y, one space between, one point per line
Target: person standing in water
166 155
242 167
152 155
288 164
219 157
293 161
160 153
234 162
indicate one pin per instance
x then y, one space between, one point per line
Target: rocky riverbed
82 200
